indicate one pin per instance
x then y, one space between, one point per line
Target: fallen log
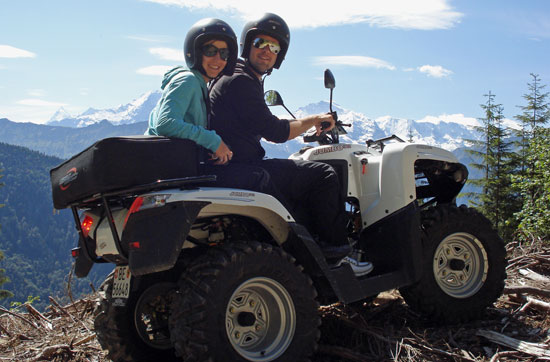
533 349
527 290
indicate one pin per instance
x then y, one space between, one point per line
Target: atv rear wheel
139 330
463 268
245 302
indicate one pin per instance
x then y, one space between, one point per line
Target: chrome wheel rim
460 265
260 319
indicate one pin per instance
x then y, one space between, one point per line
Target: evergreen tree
410 134
480 151
531 183
3 279
494 196
534 217
534 115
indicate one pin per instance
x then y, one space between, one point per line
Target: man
241 117
210 50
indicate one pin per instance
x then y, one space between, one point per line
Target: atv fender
155 236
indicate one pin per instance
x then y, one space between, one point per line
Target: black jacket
241 117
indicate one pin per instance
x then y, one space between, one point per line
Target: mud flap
83 263
154 237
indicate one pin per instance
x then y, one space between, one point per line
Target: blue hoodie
181 111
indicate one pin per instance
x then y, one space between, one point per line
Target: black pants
312 191
243 176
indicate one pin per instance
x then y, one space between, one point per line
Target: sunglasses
210 51
261 43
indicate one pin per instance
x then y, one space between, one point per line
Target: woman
210 51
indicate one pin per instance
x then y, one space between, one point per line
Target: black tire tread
425 296
190 309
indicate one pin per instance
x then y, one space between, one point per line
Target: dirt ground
516 328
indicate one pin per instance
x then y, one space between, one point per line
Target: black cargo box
120 162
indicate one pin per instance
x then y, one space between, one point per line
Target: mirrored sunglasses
210 51
261 43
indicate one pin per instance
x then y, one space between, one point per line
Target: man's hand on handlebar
324 123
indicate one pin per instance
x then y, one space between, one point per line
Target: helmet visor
261 43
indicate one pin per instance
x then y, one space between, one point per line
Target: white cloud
168 54
36 92
154 70
402 14
436 71
84 91
149 38
39 103
7 51
354 61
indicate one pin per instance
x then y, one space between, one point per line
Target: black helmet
203 31
269 24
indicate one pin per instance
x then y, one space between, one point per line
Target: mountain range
134 112
65 135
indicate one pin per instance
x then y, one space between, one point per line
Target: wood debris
517 328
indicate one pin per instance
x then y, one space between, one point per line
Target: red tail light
87 225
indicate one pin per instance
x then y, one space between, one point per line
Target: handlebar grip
325 125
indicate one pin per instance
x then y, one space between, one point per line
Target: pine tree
532 181
534 217
534 115
494 197
410 133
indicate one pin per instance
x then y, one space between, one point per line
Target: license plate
121 284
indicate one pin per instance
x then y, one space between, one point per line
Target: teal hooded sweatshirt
181 110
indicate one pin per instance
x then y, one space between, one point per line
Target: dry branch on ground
517 328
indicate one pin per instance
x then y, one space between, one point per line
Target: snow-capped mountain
136 111
446 131
60 115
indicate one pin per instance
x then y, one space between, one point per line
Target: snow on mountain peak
136 111
60 114
448 130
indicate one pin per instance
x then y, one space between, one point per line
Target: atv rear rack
104 198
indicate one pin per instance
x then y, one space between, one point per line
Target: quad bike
204 273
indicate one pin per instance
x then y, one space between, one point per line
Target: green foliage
494 196
532 181
534 186
35 240
535 114
30 300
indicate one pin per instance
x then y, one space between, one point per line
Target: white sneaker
360 268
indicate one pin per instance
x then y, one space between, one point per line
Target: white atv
214 274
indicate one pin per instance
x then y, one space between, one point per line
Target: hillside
384 329
62 142
36 241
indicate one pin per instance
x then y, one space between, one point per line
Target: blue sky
403 58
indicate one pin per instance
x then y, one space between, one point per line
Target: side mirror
273 98
329 79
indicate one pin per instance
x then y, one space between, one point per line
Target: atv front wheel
245 302
139 330
463 265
